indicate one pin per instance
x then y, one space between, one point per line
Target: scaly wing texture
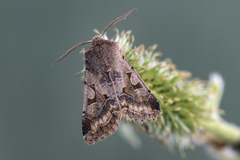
137 101
101 110
109 95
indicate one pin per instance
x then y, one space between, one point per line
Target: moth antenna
103 32
71 49
115 21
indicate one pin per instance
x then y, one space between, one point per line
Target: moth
112 89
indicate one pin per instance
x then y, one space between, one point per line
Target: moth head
97 40
96 37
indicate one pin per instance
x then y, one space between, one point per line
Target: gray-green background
41 105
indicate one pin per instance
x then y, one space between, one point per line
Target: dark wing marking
137 101
101 113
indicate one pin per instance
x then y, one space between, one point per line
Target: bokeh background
41 105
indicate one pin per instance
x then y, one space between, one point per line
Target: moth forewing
112 89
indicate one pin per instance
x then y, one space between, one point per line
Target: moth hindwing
112 89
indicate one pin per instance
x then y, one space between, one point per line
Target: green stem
222 131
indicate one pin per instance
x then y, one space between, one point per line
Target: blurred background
41 105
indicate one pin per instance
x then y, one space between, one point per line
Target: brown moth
112 89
